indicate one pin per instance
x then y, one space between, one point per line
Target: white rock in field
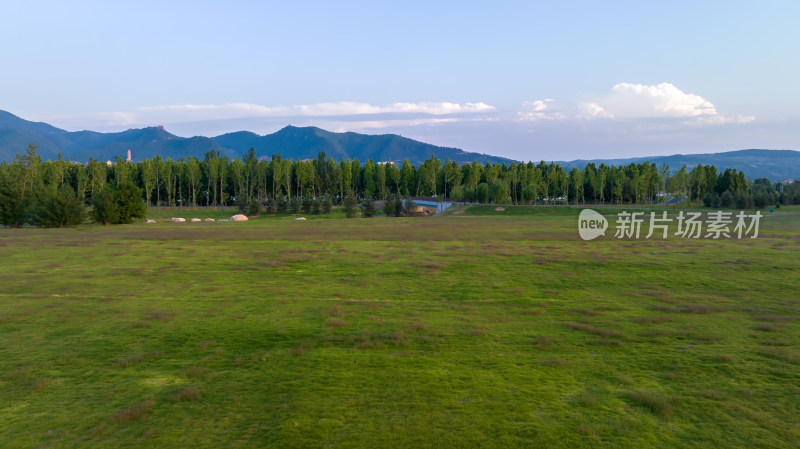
209 219
195 220
177 220
149 221
239 217
300 218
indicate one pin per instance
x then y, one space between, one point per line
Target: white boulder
195 220
239 217
300 218
177 220
209 219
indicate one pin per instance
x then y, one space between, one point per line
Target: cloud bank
631 116
642 101
630 102
231 111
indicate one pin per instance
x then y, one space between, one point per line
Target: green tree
169 181
529 194
367 207
390 206
347 177
20 181
498 192
131 204
253 208
158 170
212 163
59 209
393 177
482 193
305 178
283 204
117 204
408 206
238 174
380 180
294 205
307 204
406 178
327 204
369 180
193 175
148 177
351 205
105 209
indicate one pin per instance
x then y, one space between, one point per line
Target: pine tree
390 206
367 207
59 209
327 205
351 205
307 203
294 205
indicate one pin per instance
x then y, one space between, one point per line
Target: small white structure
195 220
300 218
239 217
149 221
209 219
177 220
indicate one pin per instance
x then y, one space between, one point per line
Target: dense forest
252 183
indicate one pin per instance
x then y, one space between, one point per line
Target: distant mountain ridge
777 165
300 143
290 142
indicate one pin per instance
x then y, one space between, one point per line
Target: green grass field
478 329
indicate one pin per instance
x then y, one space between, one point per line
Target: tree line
279 184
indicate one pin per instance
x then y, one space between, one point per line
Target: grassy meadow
473 329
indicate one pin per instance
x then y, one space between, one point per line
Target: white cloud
662 100
240 110
635 101
413 114
378 124
539 110
538 105
721 119
593 110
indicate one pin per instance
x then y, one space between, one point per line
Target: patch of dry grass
654 319
595 330
335 322
552 362
188 394
160 316
193 371
134 412
651 402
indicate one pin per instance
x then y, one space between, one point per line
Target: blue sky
527 80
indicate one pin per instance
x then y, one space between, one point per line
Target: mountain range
777 165
291 142
300 143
